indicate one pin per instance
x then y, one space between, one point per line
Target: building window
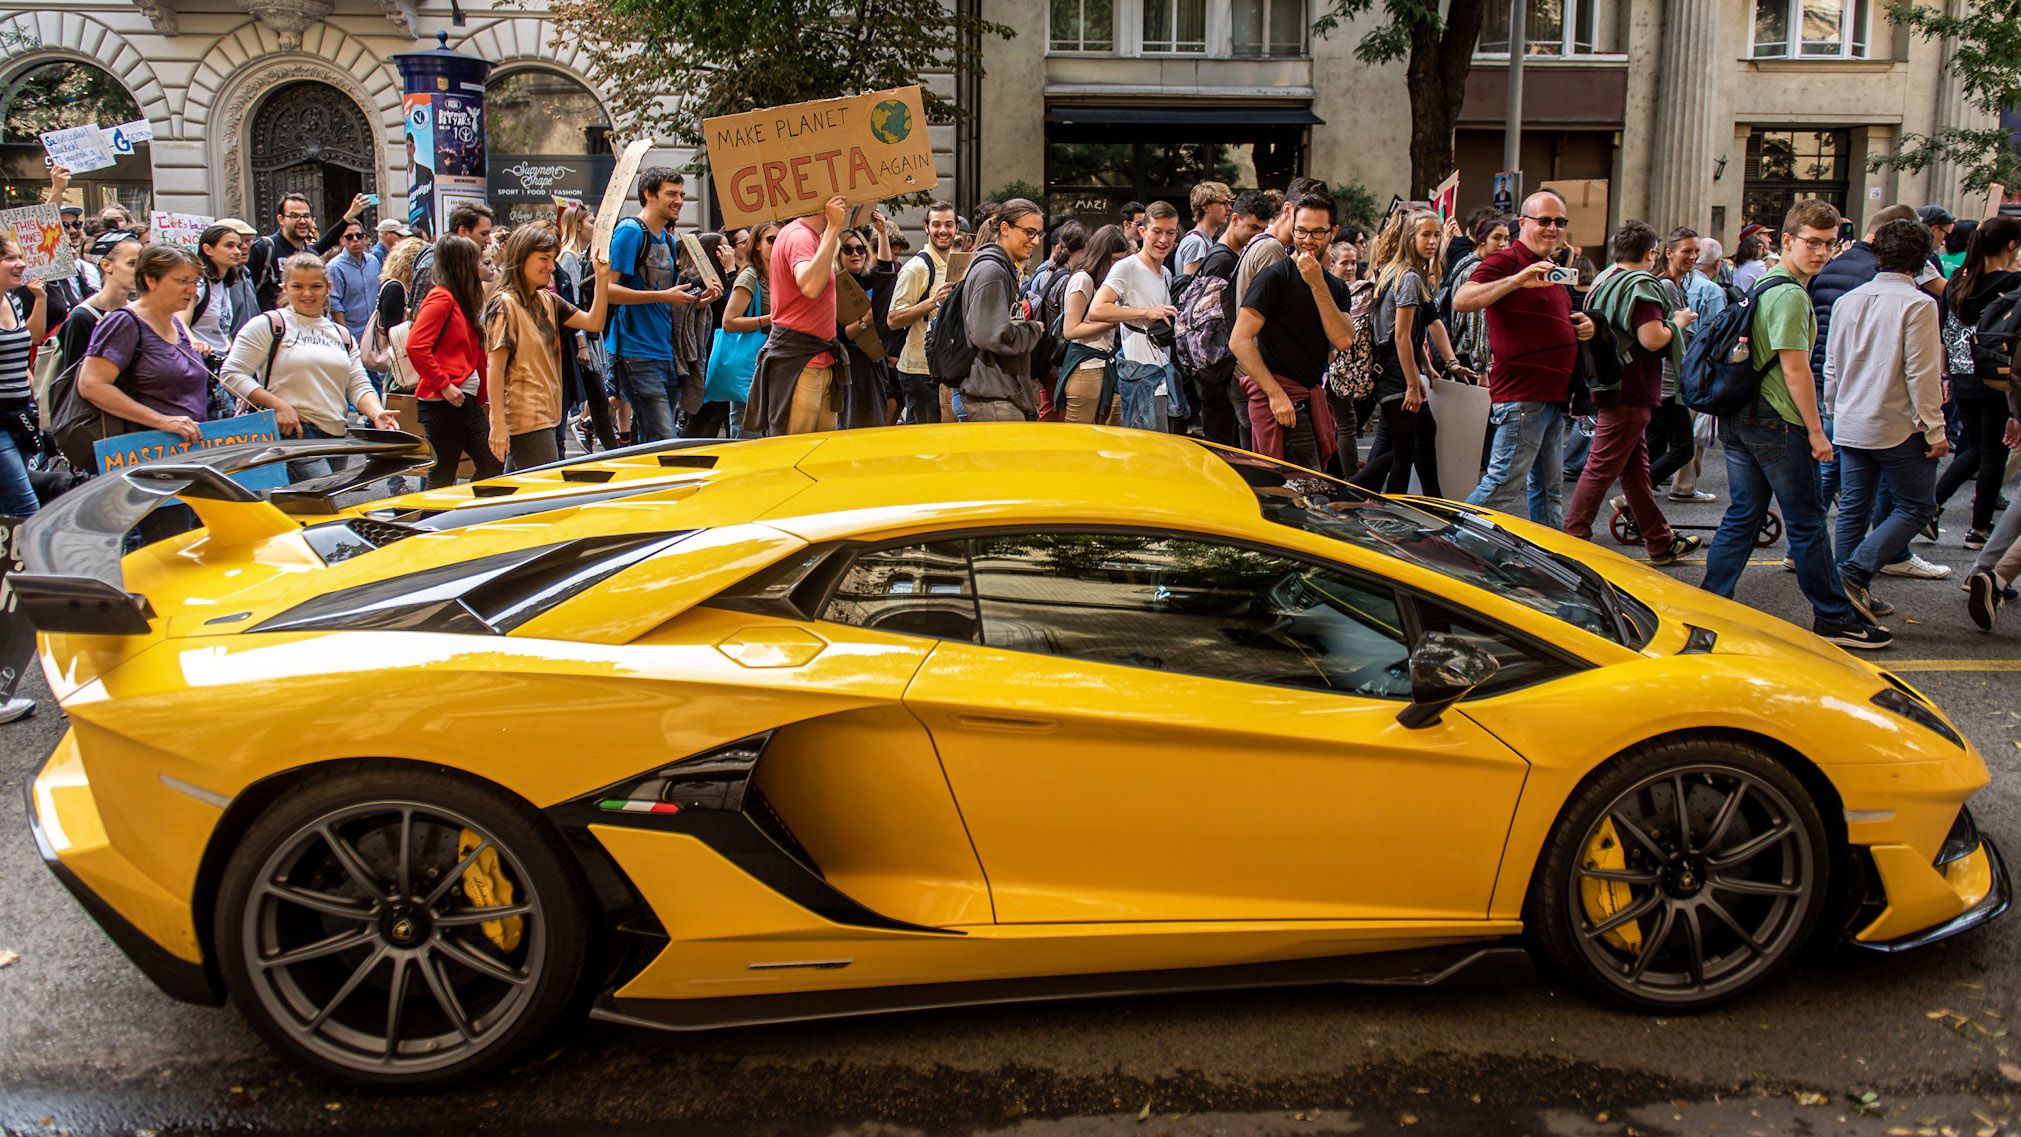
1083 25
1788 166
1267 29
1175 27
1555 28
547 136
1811 29
54 96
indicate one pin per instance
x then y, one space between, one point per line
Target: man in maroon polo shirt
1535 338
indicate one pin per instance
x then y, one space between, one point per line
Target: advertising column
444 101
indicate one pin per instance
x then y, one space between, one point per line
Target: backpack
1052 312
1718 375
949 352
1995 339
74 421
1200 333
1350 374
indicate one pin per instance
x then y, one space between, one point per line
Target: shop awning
1182 116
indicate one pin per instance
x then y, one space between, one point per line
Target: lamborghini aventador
695 734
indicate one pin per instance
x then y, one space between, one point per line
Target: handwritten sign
184 229
700 260
787 161
80 148
124 450
38 229
1446 199
617 191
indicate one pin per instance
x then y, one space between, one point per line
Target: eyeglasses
1549 222
296 216
1034 234
1816 244
1311 234
854 250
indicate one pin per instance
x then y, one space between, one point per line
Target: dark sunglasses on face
1549 222
854 250
73 224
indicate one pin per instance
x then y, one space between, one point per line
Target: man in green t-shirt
1774 446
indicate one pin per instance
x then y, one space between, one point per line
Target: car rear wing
70 551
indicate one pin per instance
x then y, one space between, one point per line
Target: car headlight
1962 841
1909 708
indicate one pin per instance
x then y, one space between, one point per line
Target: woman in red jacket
448 357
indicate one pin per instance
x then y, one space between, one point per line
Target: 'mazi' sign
788 161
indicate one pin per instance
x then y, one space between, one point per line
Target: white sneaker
1789 564
19 707
1918 568
1695 495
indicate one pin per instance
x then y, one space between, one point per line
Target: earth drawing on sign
890 121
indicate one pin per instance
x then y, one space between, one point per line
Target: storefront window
547 136
1090 179
55 96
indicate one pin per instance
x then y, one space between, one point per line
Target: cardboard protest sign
617 191
957 266
699 259
1446 199
852 303
81 149
786 162
184 229
38 229
123 450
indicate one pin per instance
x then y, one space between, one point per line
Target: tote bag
733 359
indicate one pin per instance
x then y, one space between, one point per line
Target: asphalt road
88 1046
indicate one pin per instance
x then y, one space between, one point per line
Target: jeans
303 469
1672 446
1137 385
17 493
1620 451
1218 393
454 432
1982 455
1828 472
1578 444
1911 473
1403 439
533 448
1528 450
922 397
2002 554
1769 458
650 386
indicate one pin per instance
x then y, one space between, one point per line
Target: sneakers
1618 503
1679 547
1789 564
1984 602
1870 607
1694 495
21 706
1917 568
1859 635
1977 538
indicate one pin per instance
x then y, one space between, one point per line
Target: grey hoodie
1003 344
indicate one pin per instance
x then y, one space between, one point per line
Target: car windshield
1453 543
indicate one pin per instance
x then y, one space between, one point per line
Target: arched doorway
309 138
57 95
547 135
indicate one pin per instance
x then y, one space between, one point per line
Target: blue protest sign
123 450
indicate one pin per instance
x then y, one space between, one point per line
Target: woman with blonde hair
524 320
1406 259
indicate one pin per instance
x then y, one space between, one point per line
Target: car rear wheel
1681 876
401 929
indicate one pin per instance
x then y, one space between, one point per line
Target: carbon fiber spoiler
70 551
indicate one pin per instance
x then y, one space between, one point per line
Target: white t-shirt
1084 284
317 370
214 324
1137 285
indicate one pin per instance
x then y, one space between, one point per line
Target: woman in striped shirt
19 333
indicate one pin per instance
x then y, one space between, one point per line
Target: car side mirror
1443 669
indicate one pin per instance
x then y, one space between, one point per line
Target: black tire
373 880
1713 919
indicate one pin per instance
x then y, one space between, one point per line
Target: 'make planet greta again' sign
788 161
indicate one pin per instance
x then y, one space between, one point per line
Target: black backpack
1053 314
1995 339
949 351
1718 375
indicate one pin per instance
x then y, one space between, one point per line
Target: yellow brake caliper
1603 898
488 887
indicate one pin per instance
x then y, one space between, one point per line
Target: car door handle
1009 724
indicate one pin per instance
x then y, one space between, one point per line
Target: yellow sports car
695 734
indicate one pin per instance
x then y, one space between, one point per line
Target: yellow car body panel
1062 816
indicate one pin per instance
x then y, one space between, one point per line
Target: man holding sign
643 297
796 389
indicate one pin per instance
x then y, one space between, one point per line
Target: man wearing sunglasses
1536 336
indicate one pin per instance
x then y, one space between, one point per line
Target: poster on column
420 110
785 162
38 229
459 152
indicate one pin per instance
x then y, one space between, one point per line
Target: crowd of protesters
1261 319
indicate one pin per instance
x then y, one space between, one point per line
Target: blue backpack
1718 376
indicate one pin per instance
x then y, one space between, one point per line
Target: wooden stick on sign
617 191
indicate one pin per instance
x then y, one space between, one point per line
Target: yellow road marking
1758 563
1950 664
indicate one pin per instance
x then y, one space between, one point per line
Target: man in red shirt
1535 338
803 299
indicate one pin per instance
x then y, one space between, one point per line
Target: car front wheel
401 929
1681 876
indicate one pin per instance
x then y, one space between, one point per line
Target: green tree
669 64
1986 59
1438 53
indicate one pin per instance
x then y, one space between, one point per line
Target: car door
1152 727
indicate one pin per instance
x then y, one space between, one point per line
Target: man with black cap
1939 222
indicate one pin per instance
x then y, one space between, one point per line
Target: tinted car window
1196 607
1520 666
913 590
